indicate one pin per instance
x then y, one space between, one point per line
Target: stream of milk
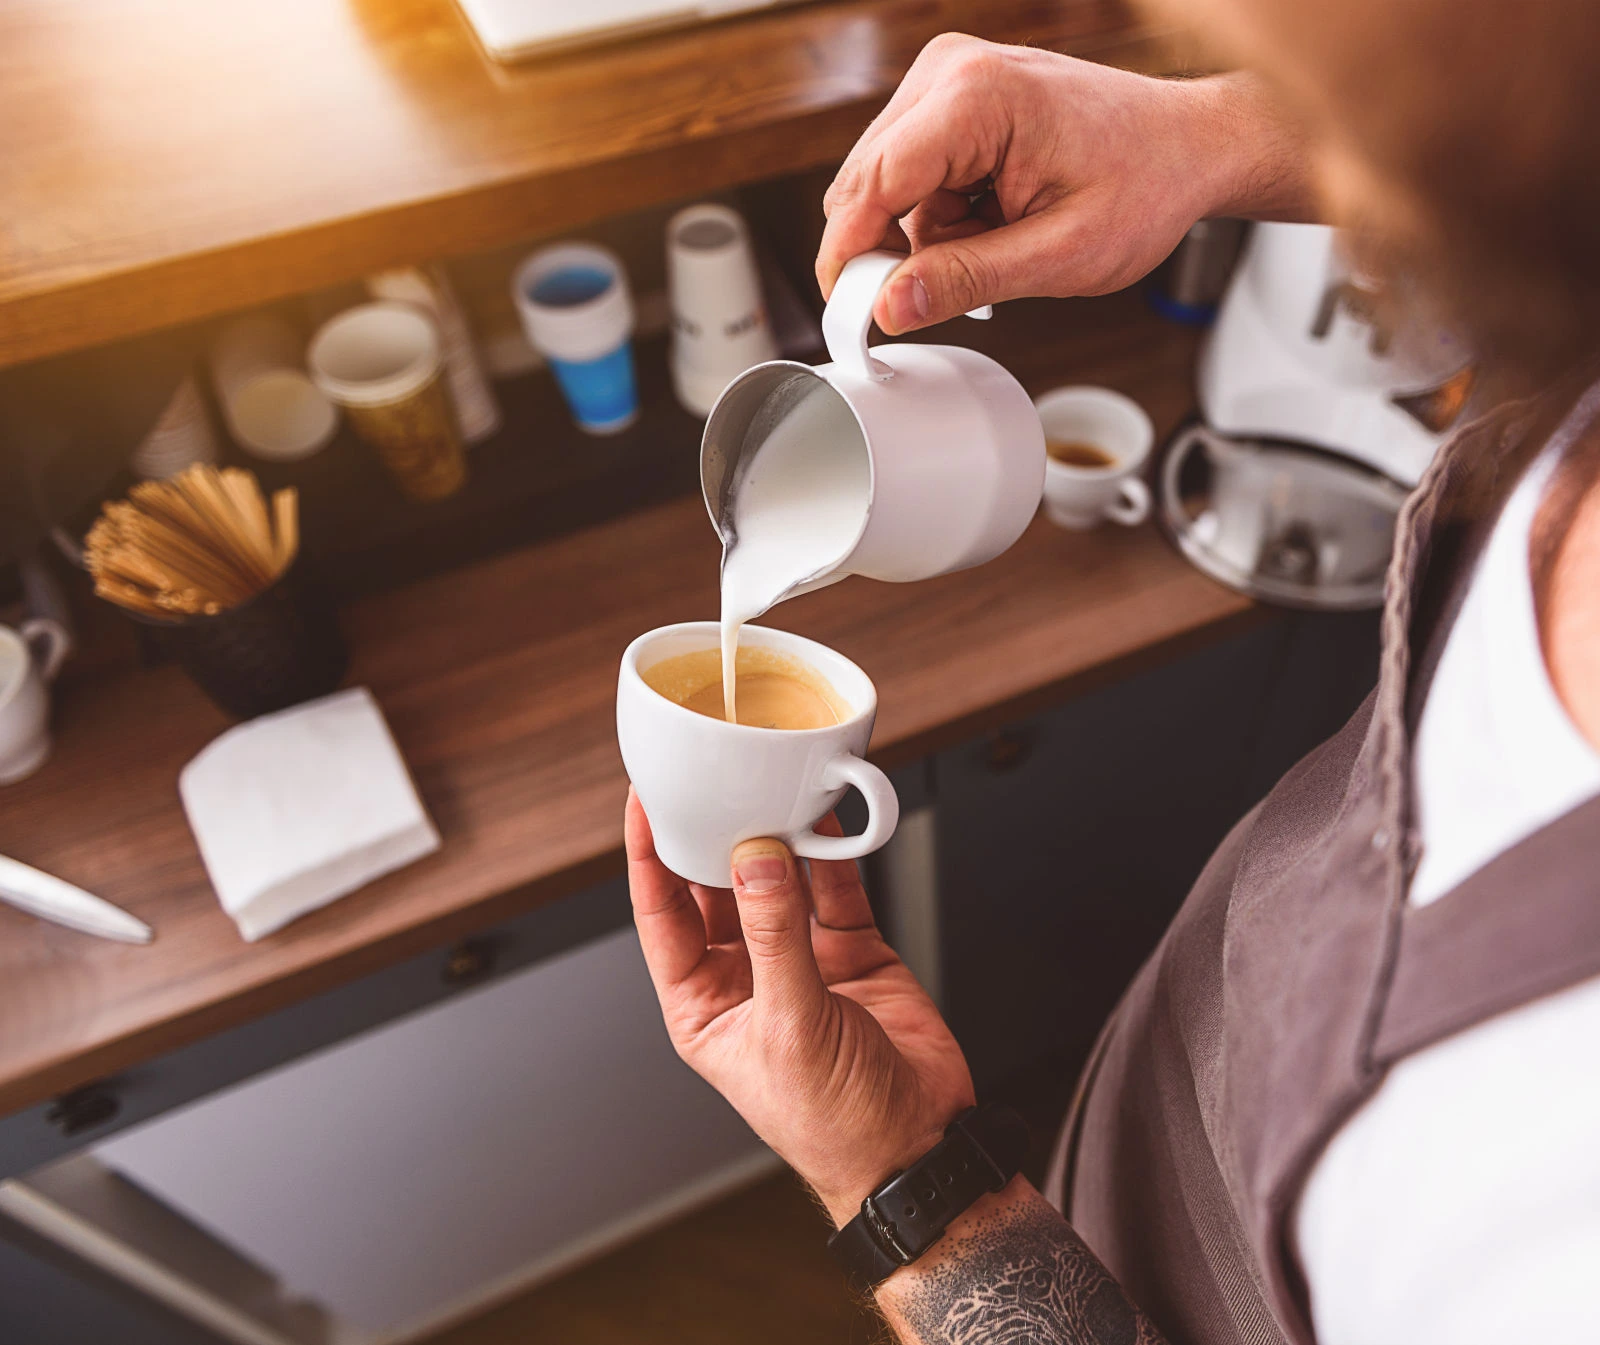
798 508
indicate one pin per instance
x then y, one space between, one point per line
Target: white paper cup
1081 497
181 438
375 354
719 315
272 408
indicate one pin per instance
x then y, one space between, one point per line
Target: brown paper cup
382 362
417 440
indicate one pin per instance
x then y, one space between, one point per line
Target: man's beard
1522 322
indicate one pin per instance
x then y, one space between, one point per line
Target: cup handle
49 642
1132 506
848 317
883 811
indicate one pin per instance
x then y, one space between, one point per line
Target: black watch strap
981 1151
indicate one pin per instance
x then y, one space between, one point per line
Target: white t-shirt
1461 1204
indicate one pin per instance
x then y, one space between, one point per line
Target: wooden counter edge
112 1056
114 304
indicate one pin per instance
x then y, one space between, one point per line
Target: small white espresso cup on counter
706 785
29 660
1080 496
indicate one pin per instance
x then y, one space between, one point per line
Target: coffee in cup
775 690
1076 453
1096 440
706 784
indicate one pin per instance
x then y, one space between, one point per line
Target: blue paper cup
576 309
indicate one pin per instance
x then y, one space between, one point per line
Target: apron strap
1526 924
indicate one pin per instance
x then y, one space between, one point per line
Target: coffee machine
1318 413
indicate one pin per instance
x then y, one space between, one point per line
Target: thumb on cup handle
883 811
1132 506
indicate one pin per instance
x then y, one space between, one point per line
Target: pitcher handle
848 317
883 811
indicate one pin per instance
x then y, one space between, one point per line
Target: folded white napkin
295 809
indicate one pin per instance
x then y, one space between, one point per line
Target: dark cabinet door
1065 844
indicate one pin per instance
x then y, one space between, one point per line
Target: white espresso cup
706 785
1079 497
30 657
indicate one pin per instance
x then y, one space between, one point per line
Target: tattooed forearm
1018 1275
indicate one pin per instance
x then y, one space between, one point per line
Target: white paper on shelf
295 809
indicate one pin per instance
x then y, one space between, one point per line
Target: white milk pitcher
954 455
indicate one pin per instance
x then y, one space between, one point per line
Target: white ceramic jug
954 446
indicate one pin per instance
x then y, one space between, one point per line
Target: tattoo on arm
1019 1276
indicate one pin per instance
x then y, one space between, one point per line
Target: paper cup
719 316
181 438
574 303
477 411
271 408
383 363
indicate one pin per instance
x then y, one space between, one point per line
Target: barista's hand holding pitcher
783 995
1013 172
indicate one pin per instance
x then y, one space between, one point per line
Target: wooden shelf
498 679
168 160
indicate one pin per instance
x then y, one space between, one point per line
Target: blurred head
1458 141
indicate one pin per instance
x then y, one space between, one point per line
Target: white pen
50 898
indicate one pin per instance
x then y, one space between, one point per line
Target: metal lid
1284 523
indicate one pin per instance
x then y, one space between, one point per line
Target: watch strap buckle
982 1150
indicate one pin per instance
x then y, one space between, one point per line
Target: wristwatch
981 1151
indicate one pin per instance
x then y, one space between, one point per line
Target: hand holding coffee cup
30 657
1097 441
805 716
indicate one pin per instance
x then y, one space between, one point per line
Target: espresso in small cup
1096 440
775 690
1076 453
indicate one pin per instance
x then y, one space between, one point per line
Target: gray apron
1296 973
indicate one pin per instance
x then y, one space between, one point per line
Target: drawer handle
83 1109
469 961
1008 750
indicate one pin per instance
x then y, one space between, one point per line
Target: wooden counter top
498 681
166 160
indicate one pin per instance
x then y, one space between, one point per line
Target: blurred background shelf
169 160
540 477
